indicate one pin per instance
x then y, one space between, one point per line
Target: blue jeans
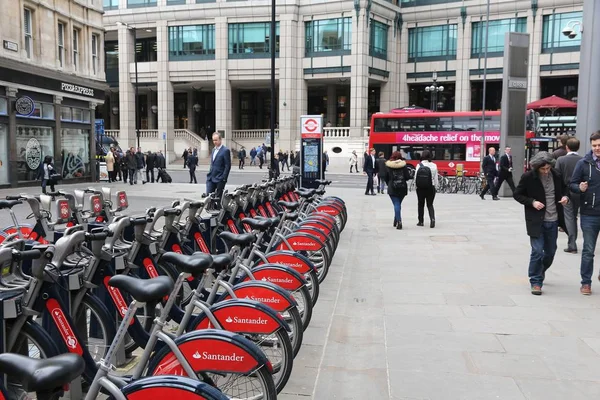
543 249
397 201
590 225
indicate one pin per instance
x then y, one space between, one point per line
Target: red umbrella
552 103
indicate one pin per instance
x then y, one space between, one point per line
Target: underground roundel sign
311 126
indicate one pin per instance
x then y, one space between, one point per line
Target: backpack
397 182
423 177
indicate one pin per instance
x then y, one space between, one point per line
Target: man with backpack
426 177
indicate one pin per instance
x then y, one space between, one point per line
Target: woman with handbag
49 175
398 176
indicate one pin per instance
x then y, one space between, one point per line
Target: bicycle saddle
42 375
242 239
258 224
323 182
143 290
305 192
320 191
8 203
222 261
290 205
272 220
291 216
195 264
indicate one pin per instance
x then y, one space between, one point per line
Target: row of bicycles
215 292
467 183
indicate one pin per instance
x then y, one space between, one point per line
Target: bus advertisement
452 137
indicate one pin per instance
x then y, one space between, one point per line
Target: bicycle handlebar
26 255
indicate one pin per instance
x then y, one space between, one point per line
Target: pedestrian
276 171
491 172
131 160
566 165
426 180
280 158
141 164
110 165
561 150
124 166
220 165
586 182
397 175
381 175
506 170
48 174
242 157
150 165
192 163
261 157
285 161
370 169
325 161
185 156
353 161
292 159
253 156
543 194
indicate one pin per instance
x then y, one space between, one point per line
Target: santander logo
277 280
303 243
205 355
247 321
65 330
272 299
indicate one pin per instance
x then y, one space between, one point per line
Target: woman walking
426 178
353 161
110 165
47 171
397 175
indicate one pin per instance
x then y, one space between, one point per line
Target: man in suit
220 164
566 165
543 193
506 168
370 168
491 172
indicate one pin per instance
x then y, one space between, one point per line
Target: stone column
114 102
192 115
127 137
223 101
534 92
390 91
94 164
359 85
13 154
166 110
404 67
331 105
149 114
463 53
58 161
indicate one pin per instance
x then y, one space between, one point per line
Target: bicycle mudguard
280 275
264 292
317 224
27 231
171 387
210 350
323 217
301 242
241 316
336 199
297 261
311 231
330 209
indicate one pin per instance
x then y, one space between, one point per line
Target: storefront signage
24 106
69 87
12 46
33 154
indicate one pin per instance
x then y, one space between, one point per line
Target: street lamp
138 121
434 90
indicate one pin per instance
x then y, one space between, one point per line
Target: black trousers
369 183
425 196
508 179
193 174
242 162
490 186
149 173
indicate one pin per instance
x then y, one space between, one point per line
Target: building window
175 2
145 50
28 162
75 153
413 3
75 49
111 52
61 45
111 5
141 3
3 106
378 40
497 31
95 40
27 30
432 43
553 41
329 36
251 40
193 42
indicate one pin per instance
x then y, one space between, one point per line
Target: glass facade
328 36
412 3
251 40
3 106
497 31
378 40
111 52
75 154
145 50
553 40
493 96
3 154
418 96
140 3
193 42
111 5
432 43
33 144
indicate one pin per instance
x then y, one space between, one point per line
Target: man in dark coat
150 165
543 193
370 169
506 170
491 172
566 165
131 161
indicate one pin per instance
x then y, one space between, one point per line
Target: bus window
440 152
445 124
492 124
467 124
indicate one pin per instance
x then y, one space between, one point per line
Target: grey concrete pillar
13 154
588 116
331 105
58 161
92 146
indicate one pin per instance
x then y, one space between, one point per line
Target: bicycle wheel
320 260
278 349
305 305
95 326
33 342
294 320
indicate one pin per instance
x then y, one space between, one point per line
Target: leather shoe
495 198
571 251
482 198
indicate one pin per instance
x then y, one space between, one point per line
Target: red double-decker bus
452 137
